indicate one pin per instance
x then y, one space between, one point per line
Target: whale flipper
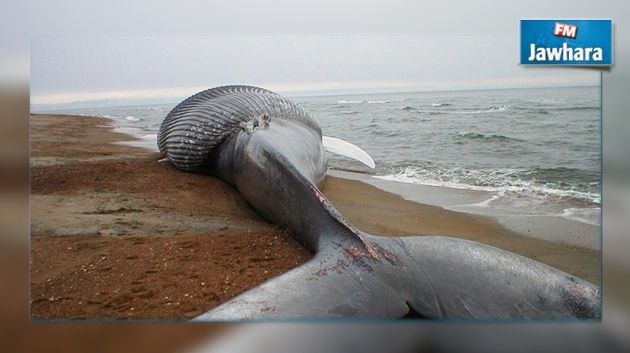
345 148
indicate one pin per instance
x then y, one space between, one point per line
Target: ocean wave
547 110
499 181
493 109
155 109
132 118
498 108
576 108
345 101
440 104
149 137
532 110
566 175
490 137
589 215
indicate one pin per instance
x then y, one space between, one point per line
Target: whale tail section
470 280
330 285
420 276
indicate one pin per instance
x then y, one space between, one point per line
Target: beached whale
271 150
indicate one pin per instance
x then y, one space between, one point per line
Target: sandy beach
115 234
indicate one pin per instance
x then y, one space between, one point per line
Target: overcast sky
73 68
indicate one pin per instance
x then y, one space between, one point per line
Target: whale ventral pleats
199 124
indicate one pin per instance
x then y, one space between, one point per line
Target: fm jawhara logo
566 42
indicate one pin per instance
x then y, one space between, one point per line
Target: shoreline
552 227
573 222
115 234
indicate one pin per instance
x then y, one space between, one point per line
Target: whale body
270 149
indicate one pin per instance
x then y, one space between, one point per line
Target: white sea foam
589 215
132 118
156 109
484 203
344 101
500 108
149 136
502 181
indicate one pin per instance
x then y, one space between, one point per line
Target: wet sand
115 234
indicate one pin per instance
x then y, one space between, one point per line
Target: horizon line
176 94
